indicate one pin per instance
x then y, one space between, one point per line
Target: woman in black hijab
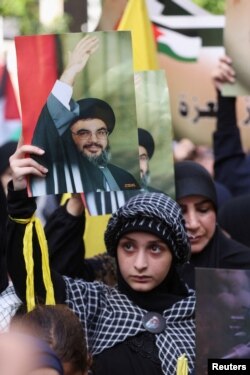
210 247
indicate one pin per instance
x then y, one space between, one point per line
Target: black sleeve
22 207
64 233
231 166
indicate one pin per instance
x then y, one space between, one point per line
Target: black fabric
6 150
3 221
136 355
193 179
234 218
223 194
46 137
221 252
170 291
3 265
144 345
231 164
3 81
64 233
96 108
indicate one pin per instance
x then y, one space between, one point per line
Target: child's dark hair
60 328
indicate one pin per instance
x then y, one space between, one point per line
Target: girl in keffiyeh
144 325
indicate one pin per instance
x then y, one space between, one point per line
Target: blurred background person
61 329
24 354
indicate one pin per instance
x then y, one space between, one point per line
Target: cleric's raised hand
79 57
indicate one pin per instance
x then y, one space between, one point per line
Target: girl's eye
183 209
155 249
127 246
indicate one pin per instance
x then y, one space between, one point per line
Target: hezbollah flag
135 19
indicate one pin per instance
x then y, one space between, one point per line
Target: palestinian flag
182 28
178 46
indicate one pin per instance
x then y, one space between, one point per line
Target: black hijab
170 291
193 179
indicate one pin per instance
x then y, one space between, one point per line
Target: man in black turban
74 136
146 151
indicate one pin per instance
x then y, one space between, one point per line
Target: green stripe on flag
163 48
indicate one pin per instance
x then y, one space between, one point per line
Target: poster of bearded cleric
155 141
78 105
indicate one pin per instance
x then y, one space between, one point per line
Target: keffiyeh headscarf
155 213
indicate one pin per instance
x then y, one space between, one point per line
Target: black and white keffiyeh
9 303
109 318
151 212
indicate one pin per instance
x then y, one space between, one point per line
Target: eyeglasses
86 134
143 157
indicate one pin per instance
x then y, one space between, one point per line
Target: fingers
85 47
79 57
22 166
226 71
89 44
24 149
223 72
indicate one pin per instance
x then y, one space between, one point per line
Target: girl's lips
140 279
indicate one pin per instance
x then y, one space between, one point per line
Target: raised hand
223 73
78 58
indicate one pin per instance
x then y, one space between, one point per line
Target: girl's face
144 260
200 220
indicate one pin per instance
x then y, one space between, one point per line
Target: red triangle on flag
157 32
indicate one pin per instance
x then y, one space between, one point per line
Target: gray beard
100 160
145 180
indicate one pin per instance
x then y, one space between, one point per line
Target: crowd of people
130 309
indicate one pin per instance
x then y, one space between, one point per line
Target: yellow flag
136 20
94 234
182 365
